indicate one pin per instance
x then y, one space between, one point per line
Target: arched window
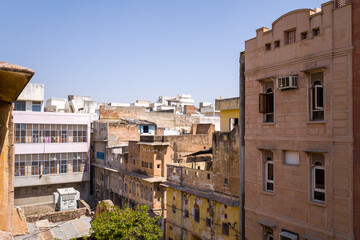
269 172
317 97
196 213
318 177
266 102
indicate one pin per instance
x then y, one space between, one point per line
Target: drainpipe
242 145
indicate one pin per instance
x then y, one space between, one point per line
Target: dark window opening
266 105
316 32
208 222
268 46
277 44
196 213
225 229
304 35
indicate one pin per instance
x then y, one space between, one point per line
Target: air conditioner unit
288 82
285 235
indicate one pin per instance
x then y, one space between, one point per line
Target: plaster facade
202 198
299 138
229 113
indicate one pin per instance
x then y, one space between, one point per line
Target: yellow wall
225 116
198 230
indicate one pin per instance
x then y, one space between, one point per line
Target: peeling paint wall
212 215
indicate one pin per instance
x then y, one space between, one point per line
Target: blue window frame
100 155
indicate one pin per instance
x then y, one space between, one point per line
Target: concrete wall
40 199
32 92
291 206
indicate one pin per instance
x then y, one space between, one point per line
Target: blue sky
124 50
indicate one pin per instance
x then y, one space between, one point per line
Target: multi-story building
202 194
229 113
130 158
51 151
299 126
13 79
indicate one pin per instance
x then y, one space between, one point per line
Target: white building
31 98
51 152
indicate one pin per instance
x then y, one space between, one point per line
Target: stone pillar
6 167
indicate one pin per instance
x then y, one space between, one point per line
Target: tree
126 224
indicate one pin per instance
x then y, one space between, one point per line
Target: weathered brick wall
58 216
122 133
226 161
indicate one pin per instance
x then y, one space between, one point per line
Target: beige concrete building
299 138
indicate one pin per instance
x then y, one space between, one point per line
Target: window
292 157
208 176
186 213
286 235
100 155
35 136
35 166
226 182
63 166
266 103
20 133
151 165
269 172
290 36
268 46
277 44
36 106
146 129
20 165
316 32
196 213
208 222
19 105
268 233
318 177
225 229
158 166
304 35
173 208
233 122
317 97
49 133
64 136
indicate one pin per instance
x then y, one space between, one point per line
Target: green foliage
126 224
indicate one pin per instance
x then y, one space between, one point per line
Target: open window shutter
262 102
141 129
150 127
319 98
